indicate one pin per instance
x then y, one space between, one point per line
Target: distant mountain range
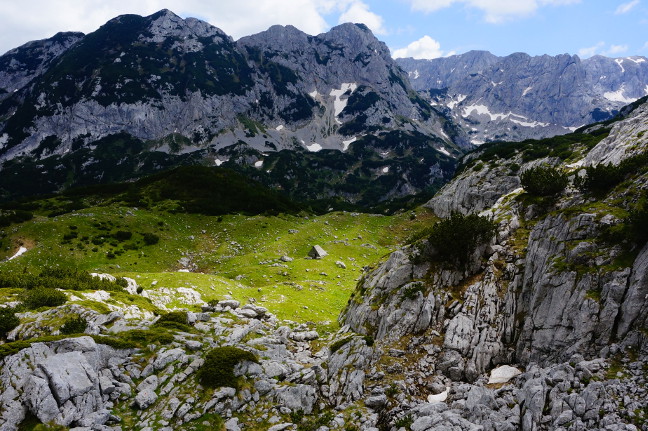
518 96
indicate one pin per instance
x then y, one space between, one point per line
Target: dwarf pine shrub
218 369
544 180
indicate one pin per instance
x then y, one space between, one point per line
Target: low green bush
544 180
600 178
638 222
456 237
42 297
61 278
74 325
173 316
8 321
411 292
631 231
173 326
14 216
218 369
337 345
139 338
122 235
150 238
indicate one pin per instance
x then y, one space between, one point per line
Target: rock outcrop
548 293
72 382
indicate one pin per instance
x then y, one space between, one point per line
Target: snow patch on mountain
314 147
20 252
443 151
481 110
618 96
347 143
457 100
339 104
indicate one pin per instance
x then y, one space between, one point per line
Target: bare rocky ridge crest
295 91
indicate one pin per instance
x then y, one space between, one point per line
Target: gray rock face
299 90
347 368
627 138
560 318
64 382
397 315
473 191
518 96
299 397
561 293
20 65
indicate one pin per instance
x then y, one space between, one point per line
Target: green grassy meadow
229 256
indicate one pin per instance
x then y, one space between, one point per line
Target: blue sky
424 28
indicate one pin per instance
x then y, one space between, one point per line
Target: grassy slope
229 255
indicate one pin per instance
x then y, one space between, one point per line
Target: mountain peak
165 23
349 29
163 13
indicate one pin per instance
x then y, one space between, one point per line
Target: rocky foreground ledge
348 382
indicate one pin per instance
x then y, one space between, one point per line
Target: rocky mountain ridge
518 96
182 89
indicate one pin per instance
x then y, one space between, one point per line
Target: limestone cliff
553 284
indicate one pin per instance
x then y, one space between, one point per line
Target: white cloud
626 7
424 48
25 20
358 12
495 10
591 51
601 48
616 49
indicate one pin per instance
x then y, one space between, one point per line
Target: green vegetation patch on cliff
544 180
563 147
455 238
218 369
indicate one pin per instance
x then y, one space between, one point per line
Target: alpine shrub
43 297
602 177
544 180
74 325
151 238
174 316
637 222
8 321
456 237
218 369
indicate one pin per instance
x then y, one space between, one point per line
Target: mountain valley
290 232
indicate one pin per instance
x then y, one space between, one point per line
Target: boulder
503 374
317 252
